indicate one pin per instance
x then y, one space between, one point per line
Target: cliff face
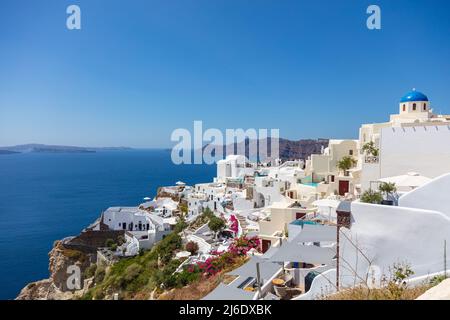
55 287
79 251
288 149
301 149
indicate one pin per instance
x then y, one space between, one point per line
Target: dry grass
387 293
227 279
194 291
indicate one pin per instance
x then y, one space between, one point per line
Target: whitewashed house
233 167
195 202
145 227
164 207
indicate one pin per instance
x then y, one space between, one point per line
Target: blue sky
139 69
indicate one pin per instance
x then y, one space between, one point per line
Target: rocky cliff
55 287
288 149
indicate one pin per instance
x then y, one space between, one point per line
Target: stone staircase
242 222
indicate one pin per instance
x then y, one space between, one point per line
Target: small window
424 107
404 107
350 152
414 107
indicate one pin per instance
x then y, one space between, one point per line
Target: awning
330 203
411 180
293 252
315 233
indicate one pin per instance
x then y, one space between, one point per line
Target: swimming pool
303 222
311 184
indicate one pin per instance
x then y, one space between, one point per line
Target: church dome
414 96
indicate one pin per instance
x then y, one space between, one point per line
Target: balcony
371 159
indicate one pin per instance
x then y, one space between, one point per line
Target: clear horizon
137 71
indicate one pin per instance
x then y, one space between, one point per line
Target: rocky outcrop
57 286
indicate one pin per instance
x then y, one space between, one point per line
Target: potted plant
345 164
371 196
370 149
388 189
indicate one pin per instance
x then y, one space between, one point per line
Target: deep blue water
45 197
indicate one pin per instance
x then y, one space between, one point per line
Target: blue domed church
414 102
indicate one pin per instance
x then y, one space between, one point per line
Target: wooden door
343 187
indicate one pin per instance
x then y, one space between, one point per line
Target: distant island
42 148
288 149
7 152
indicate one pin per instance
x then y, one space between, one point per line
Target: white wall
370 172
322 285
414 149
432 196
388 235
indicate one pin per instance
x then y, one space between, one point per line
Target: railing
371 159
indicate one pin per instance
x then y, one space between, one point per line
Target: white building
195 204
233 167
411 141
145 227
164 207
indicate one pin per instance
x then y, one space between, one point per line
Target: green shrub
371 196
73 254
109 243
370 149
186 277
100 273
98 295
387 188
90 271
437 279
181 225
131 272
88 295
167 246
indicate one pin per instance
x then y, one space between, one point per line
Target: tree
346 163
216 224
370 149
387 188
371 196
183 208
